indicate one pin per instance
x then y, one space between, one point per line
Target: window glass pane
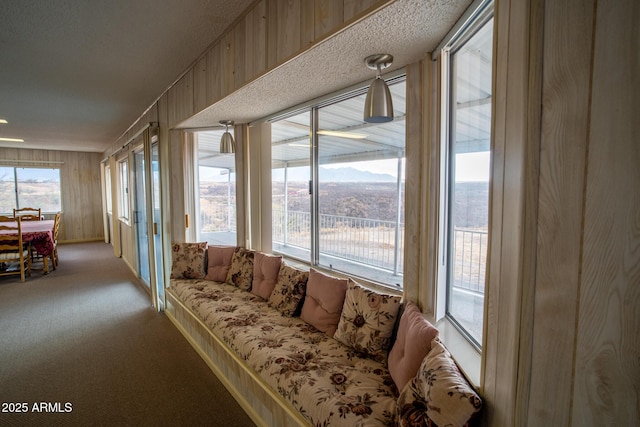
39 188
7 190
291 202
361 190
469 166
216 191
107 178
124 190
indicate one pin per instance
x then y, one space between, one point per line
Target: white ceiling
75 74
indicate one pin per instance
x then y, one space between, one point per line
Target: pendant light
378 106
227 144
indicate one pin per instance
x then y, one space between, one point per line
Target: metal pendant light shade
378 105
227 144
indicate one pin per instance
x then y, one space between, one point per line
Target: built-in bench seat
284 370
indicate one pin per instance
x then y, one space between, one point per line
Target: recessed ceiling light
12 139
3 121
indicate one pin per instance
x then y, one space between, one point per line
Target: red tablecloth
40 234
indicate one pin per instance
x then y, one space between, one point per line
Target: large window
468 65
216 191
350 218
30 187
123 193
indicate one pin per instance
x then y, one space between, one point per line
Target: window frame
124 205
232 197
467 352
16 187
313 109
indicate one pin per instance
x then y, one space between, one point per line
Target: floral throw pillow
289 290
439 394
367 321
188 260
241 271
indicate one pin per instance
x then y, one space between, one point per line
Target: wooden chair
56 227
12 249
28 214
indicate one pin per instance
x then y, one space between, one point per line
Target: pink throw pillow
412 344
323 303
265 274
219 258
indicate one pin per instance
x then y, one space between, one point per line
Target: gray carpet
82 346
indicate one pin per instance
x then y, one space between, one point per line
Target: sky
470 167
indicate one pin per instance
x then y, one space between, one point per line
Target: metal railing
365 241
469 259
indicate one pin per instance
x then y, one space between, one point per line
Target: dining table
40 235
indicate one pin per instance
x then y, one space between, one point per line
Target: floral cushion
322 378
439 394
265 274
188 260
289 290
241 271
219 262
367 321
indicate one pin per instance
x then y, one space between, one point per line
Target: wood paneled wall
80 184
564 270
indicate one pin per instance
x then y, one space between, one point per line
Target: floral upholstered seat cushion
322 378
241 270
367 321
439 394
188 260
289 291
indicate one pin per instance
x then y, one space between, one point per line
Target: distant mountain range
339 175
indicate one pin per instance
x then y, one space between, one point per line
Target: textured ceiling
407 29
75 74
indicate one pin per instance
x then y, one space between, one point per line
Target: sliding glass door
140 218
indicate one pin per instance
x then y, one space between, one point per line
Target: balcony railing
363 241
469 263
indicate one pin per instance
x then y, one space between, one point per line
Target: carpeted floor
82 346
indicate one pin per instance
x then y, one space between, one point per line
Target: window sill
468 358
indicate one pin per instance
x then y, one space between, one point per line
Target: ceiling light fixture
3 121
12 139
342 134
378 106
227 144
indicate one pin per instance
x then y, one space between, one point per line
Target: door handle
155 228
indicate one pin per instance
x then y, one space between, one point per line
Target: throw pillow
241 270
188 260
219 258
289 290
324 300
439 394
412 344
265 274
367 321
